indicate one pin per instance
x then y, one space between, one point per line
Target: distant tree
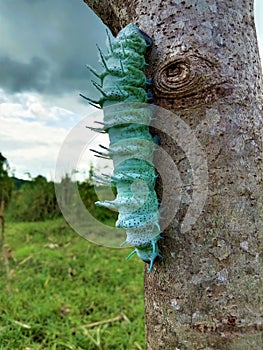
6 185
35 201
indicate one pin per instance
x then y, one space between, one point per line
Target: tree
207 291
6 184
38 195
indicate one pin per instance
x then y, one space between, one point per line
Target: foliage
35 200
61 284
89 196
18 183
6 184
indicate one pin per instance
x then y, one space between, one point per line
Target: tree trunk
207 291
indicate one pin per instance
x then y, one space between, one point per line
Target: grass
68 293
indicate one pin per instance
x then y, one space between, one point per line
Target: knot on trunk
176 77
189 81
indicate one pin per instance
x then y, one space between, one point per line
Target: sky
45 46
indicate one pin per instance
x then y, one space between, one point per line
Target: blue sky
45 45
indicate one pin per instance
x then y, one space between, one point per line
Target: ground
67 293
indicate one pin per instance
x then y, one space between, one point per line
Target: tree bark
207 292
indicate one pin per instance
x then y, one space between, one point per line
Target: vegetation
35 200
6 183
59 291
89 196
67 293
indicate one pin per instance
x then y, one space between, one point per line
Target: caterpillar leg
147 38
148 253
131 254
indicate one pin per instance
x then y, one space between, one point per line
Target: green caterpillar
126 119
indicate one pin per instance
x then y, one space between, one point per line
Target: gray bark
207 292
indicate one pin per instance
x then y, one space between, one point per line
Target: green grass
61 284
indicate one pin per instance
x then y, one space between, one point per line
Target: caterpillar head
132 36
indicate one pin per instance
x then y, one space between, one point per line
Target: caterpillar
122 85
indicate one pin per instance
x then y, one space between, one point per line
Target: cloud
30 146
31 107
32 132
45 45
34 129
17 76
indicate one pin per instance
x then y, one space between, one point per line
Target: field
67 293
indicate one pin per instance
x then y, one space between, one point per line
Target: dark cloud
17 76
46 44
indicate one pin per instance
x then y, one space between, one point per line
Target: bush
6 184
89 196
34 201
